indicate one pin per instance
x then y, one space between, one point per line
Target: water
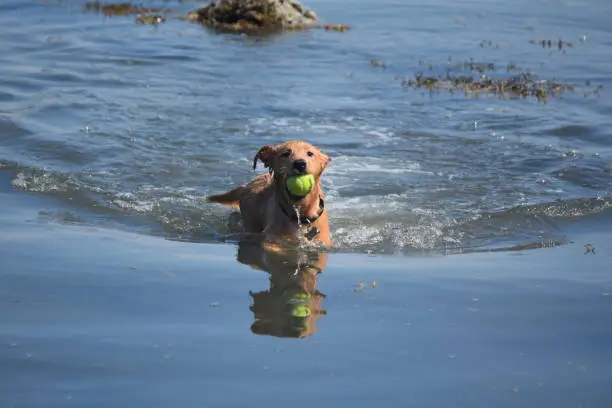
130 126
96 318
118 286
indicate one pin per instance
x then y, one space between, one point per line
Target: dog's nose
300 165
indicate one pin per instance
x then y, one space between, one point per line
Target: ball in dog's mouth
300 185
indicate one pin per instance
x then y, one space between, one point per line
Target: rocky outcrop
255 15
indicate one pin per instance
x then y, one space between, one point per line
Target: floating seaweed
522 85
473 66
487 44
487 78
120 9
550 43
470 65
337 27
150 19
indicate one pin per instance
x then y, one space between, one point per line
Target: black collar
304 220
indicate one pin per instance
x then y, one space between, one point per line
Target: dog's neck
310 206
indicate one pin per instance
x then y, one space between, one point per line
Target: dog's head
292 158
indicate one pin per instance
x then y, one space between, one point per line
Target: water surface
131 126
118 286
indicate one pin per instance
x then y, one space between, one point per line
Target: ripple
43 182
58 152
9 129
579 207
120 122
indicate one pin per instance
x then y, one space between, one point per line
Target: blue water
132 125
105 319
121 286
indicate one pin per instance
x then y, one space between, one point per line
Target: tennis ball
300 185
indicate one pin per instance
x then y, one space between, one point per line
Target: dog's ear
325 159
266 155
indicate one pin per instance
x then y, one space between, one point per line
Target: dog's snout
300 165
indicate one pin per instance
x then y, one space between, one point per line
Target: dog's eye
286 154
310 154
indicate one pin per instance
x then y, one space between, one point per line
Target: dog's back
246 191
252 199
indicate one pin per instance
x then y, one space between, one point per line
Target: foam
349 165
41 182
128 202
396 236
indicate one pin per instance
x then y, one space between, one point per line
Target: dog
267 207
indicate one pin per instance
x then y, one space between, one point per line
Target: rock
255 15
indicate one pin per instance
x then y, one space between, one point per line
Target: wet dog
268 207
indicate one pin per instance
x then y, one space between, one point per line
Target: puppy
268 207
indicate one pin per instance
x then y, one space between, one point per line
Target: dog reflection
292 304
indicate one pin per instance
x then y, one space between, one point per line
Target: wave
389 226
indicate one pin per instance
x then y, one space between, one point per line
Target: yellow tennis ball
300 185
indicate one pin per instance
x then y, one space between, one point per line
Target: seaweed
150 19
334 27
551 43
522 85
376 63
120 9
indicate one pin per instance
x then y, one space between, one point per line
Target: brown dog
268 207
